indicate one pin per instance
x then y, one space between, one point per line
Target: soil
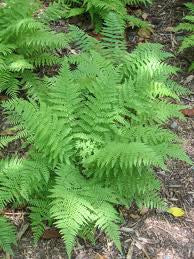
145 233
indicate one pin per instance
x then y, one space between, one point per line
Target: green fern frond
7 235
137 22
54 140
107 220
6 49
21 178
187 42
20 65
113 34
126 156
81 39
69 209
5 140
187 25
39 215
45 59
191 66
25 43
74 205
190 6
9 83
61 9
98 10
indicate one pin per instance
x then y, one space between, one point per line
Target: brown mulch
146 233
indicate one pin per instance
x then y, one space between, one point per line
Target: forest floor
145 233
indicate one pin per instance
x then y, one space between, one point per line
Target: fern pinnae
7 235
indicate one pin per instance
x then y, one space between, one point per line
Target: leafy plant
97 9
188 25
94 135
7 235
25 44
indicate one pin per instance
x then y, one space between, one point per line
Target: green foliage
25 43
188 26
97 9
7 235
94 133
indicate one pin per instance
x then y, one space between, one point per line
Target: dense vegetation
97 10
26 43
93 133
188 25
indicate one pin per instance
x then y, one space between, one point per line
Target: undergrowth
26 44
188 26
94 133
97 10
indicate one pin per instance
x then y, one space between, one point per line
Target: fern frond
5 140
21 178
9 83
187 42
190 6
113 34
39 215
7 235
137 22
187 25
81 39
126 156
107 220
54 139
26 42
75 205
69 210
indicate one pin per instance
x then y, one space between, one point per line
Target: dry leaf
144 16
145 33
138 12
3 98
169 29
188 112
97 36
176 212
141 39
7 132
51 233
144 210
134 216
189 79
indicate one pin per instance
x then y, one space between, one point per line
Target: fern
188 26
39 216
7 235
78 205
98 10
94 134
25 43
